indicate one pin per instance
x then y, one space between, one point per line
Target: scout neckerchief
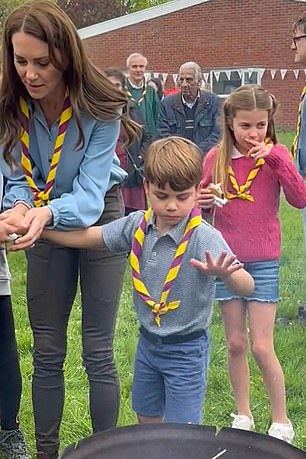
298 124
141 99
162 307
243 191
41 197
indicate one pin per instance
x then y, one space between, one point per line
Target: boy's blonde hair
175 161
247 97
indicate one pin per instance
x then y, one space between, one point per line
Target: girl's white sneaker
242 422
281 431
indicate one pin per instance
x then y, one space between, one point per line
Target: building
234 41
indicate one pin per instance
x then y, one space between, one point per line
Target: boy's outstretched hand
229 270
223 266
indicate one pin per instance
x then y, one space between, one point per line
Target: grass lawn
290 347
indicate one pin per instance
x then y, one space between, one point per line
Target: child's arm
82 239
229 270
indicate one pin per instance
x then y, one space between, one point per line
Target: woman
58 131
131 157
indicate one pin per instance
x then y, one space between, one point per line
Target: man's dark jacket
207 131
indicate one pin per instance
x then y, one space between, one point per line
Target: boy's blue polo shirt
193 288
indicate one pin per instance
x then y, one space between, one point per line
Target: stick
219 454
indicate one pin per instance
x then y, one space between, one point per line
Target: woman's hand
259 149
205 198
35 220
12 220
5 231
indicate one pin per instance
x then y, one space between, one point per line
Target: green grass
290 346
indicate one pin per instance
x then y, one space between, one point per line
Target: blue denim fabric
170 379
266 277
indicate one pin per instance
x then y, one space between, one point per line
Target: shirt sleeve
118 235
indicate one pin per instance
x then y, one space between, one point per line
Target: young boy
175 258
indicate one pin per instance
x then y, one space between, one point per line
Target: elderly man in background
142 95
193 113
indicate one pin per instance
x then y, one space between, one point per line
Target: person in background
131 156
252 169
157 85
299 143
60 120
192 113
140 94
12 442
175 259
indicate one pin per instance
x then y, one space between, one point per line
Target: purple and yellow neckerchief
243 191
161 307
298 124
142 96
41 197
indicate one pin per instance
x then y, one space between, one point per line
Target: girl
252 168
12 442
131 157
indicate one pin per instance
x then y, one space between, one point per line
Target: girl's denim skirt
266 278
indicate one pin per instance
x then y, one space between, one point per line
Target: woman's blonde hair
89 89
175 161
247 97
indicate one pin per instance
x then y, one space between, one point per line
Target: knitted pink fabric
252 229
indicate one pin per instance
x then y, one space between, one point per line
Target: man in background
192 113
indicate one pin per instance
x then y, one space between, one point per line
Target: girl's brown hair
175 161
247 97
89 89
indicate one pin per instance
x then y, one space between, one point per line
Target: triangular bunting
228 74
165 76
206 76
260 74
156 74
174 76
273 73
296 73
217 75
283 73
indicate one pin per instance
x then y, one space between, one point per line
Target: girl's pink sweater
252 229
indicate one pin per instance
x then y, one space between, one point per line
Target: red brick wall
216 34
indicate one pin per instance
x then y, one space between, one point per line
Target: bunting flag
245 74
296 73
283 73
206 76
273 73
165 76
217 76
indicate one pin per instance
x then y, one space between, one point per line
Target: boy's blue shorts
266 278
170 379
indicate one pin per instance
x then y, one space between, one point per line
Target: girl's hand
35 221
259 149
205 198
223 266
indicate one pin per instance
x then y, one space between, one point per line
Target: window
223 82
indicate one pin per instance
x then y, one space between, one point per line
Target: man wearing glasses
299 144
192 113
